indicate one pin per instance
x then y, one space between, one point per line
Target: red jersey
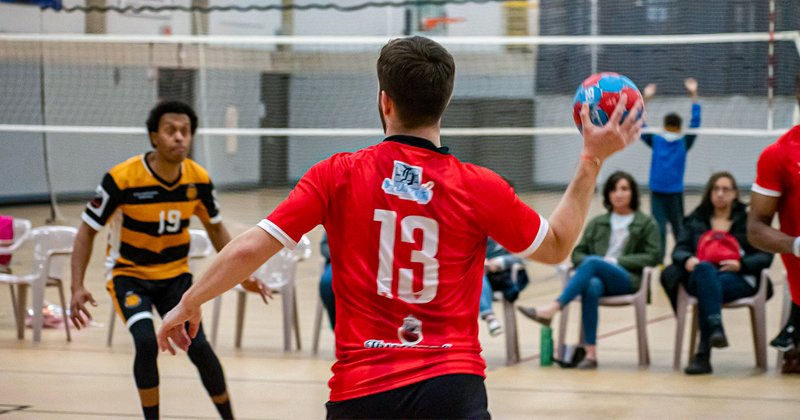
407 226
778 175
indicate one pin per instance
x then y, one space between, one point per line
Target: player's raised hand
175 325
649 91
78 313
691 85
603 141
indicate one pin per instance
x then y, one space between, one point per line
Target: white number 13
426 257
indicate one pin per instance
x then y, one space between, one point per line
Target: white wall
18 18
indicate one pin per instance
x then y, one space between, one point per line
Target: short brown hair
417 74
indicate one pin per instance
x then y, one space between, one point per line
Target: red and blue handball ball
602 92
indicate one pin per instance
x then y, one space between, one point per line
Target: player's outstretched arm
760 232
219 236
82 251
599 143
237 260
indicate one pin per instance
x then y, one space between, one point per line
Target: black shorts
457 396
134 298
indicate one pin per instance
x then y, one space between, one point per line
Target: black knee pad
145 366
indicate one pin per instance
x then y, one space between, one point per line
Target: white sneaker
495 328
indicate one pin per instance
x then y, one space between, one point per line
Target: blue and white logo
406 183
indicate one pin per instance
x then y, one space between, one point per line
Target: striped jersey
149 217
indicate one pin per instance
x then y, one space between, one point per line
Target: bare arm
218 234
81 253
567 219
599 144
235 262
760 232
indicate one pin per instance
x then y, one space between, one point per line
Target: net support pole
48 178
771 67
202 71
594 31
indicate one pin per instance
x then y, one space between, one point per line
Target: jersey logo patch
406 183
132 300
98 202
191 192
411 331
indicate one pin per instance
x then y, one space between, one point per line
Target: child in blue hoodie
669 164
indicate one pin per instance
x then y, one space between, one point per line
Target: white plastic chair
200 246
757 304
22 229
52 246
279 274
638 300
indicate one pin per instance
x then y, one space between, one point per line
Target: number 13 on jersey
426 257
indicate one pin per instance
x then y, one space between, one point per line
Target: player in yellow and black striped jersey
147 202
149 217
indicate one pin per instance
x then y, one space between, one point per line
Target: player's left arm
760 232
691 86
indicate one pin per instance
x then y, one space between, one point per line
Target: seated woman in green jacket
614 250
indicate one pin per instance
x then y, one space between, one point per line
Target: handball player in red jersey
407 226
777 189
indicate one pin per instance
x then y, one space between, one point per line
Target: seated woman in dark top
714 284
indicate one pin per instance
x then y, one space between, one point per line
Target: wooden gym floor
85 379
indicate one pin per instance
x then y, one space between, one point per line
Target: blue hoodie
669 157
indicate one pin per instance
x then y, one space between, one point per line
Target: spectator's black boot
717 338
700 364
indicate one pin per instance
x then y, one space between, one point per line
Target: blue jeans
595 278
486 298
712 288
667 208
326 293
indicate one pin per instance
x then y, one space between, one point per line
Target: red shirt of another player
407 226
778 175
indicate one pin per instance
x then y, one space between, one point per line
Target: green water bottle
546 351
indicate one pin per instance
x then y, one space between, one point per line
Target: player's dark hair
611 185
706 206
418 75
673 120
170 107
